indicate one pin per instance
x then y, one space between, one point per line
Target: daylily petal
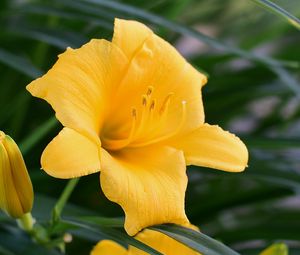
148 183
70 155
134 31
157 65
211 146
162 243
107 247
78 85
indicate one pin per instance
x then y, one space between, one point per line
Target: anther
170 134
134 112
144 100
152 105
166 103
152 110
149 91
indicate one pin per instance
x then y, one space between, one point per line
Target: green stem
26 222
27 144
36 231
63 199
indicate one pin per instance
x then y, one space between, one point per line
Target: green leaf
279 11
271 143
58 38
64 197
4 251
18 243
52 11
270 174
195 240
19 63
114 235
102 221
37 135
287 79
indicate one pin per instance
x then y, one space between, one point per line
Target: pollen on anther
166 102
144 100
152 105
134 112
149 91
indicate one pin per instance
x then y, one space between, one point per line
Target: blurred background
252 59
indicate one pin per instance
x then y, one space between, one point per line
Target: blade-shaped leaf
279 11
115 235
19 63
4 251
103 221
38 134
195 240
271 143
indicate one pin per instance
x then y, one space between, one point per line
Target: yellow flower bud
16 192
276 249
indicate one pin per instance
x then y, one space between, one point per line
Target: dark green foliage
252 60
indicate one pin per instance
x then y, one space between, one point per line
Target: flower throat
150 120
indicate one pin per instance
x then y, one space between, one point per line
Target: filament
116 144
145 128
168 135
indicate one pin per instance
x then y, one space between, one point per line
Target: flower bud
16 192
276 249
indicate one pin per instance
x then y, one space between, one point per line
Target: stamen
152 105
163 111
144 100
144 115
166 103
110 144
144 130
134 113
149 91
166 136
152 110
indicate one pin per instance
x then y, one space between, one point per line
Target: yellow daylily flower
132 108
16 192
158 241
